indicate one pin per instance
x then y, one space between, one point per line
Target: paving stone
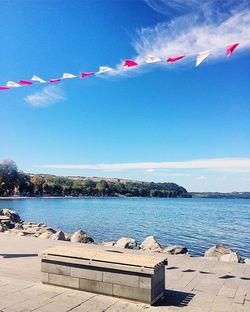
96 303
227 292
123 306
64 302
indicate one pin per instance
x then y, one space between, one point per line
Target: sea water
196 223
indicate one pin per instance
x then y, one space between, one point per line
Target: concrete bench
119 273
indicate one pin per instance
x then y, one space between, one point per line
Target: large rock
222 253
47 234
18 226
175 250
14 216
126 242
81 237
3 227
59 235
150 244
217 251
68 236
231 257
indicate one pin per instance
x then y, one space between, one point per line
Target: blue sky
151 123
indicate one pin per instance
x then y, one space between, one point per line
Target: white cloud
49 95
203 25
227 164
222 178
150 170
211 25
202 178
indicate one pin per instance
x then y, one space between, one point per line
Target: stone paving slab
193 284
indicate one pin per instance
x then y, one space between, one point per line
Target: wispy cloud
201 178
49 95
228 164
197 26
211 25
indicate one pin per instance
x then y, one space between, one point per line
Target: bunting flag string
83 75
202 56
174 59
130 63
38 79
152 59
231 48
104 69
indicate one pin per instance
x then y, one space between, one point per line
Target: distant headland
17 183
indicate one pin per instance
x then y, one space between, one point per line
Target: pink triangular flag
130 63
231 48
83 75
55 80
4 88
174 59
25 82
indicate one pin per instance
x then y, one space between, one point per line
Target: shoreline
11 223
113 197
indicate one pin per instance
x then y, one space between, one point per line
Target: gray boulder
126 242
18 226
217 251
59 235
3 227
222 253
13 215
68 236
81 237
175 250
231 257
150 244
47 234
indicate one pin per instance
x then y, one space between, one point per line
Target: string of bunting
103 69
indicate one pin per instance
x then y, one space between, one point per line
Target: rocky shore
10 222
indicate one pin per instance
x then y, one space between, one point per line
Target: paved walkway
192 284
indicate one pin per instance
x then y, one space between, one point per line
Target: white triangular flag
68 76
36 78
104 69
202 56
12 84
152 59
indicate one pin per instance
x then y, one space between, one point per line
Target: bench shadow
227 276
172 268
175 299
7 256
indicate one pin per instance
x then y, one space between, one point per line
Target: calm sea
196 223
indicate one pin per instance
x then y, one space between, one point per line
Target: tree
25 187
9 176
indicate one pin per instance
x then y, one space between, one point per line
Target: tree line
15 182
